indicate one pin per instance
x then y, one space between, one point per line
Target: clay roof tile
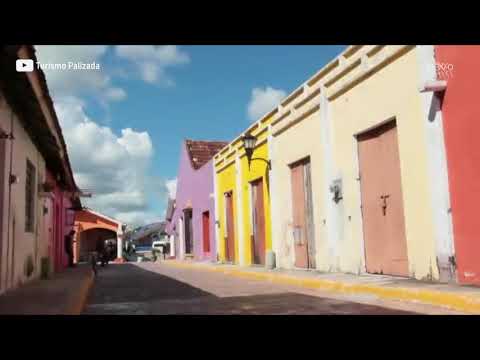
200 151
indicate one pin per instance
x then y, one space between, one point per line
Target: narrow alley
159 289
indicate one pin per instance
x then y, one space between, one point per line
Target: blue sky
199 92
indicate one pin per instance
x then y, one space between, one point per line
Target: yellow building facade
225 181
234 174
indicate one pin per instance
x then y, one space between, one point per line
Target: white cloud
263 100
152 61
114 167
112 164
116 94
136 143
139 218
171 186
78 82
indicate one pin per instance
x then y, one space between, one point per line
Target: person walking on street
111 251
93 261
101 251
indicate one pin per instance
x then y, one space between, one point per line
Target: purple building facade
191 222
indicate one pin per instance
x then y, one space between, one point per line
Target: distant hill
141 235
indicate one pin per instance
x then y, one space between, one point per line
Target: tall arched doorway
91 228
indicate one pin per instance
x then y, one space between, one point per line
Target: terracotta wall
459 65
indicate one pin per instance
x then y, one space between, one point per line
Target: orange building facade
92 228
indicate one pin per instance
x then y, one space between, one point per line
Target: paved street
155 288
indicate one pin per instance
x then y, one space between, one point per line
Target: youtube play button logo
24 65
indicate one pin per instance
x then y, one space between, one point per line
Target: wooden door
298 216
206 231
310 229
230 228
258 223
302 206
382 202
188 231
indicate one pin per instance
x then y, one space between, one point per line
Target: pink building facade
38 194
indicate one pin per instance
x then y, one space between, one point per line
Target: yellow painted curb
459 302
80 300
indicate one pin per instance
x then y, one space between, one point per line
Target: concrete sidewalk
461 298
64 294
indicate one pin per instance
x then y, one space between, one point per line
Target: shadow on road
128 282
129 289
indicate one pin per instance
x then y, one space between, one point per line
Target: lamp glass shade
249 142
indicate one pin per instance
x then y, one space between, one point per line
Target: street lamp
249 142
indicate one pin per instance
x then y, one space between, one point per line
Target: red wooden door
382 202
298 209
230 227
258 225
206 231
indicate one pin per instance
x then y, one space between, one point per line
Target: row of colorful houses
370 166
38 194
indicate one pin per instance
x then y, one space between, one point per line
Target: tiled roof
200 152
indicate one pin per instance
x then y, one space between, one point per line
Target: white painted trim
274 208
225 166
181 244
297 117
359 212
250 207
225 220
434 86
216 217
436 157
119 242
289 237
250 214
172 245
326 138
239 211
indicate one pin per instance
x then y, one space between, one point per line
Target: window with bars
30 197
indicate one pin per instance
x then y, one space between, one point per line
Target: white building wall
18 245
